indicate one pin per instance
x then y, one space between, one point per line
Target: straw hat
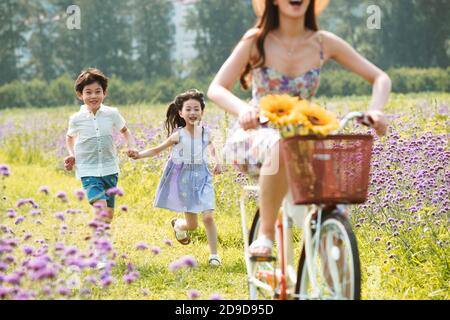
258 6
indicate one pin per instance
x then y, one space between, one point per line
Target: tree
41 42
104 40
13 14
154 34
219 24
413 32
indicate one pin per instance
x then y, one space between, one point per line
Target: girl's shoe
261 242
181 235
214 260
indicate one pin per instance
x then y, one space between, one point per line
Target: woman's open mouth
295 2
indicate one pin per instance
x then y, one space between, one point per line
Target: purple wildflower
60 216
4 170
156 250
11 213
141 246
19 220
13 278
27 249
130 277
193 294
189 261
215 296
70 251
44 189
80 194
114 191
62 196
63 291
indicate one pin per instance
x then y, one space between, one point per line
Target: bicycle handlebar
360 117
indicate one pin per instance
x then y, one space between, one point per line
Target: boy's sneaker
214 260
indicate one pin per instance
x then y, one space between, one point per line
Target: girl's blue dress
186 184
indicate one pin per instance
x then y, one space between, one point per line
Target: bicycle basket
328 170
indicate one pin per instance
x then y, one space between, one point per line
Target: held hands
379 121
133 154
249 118
69 162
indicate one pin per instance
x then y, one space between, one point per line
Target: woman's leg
273 187
211 230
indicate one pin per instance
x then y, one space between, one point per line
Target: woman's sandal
181 236
262 242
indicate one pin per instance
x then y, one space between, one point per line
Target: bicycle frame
288 277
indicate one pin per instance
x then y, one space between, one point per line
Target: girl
186 185
284 53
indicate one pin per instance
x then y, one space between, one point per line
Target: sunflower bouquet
293 116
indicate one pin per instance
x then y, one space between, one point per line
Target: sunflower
278 108
320 121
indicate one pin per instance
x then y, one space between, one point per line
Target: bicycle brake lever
366 120
262 119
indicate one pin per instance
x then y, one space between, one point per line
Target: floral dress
247 149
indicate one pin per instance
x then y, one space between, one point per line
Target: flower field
49 240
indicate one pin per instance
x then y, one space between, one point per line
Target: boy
90 142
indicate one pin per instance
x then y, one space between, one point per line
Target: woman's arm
173 139
339 50
220 89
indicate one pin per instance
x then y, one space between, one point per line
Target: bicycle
329 266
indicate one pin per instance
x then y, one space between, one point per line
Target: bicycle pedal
262 259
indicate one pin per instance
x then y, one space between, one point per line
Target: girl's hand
69 162
249 118
380 123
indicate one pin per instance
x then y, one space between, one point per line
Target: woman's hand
249 118
380 123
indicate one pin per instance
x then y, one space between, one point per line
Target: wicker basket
328 170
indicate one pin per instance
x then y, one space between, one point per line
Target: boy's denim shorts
96 188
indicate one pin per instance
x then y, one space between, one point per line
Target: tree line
134 39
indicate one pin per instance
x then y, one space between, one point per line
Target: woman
283 53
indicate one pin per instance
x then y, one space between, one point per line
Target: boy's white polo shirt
95 152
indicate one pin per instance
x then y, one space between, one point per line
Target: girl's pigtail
173 119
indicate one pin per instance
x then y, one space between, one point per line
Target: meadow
46 233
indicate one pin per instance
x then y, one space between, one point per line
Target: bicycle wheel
264 274
336 267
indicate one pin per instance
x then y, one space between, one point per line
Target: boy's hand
218 169
133 154
69 162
